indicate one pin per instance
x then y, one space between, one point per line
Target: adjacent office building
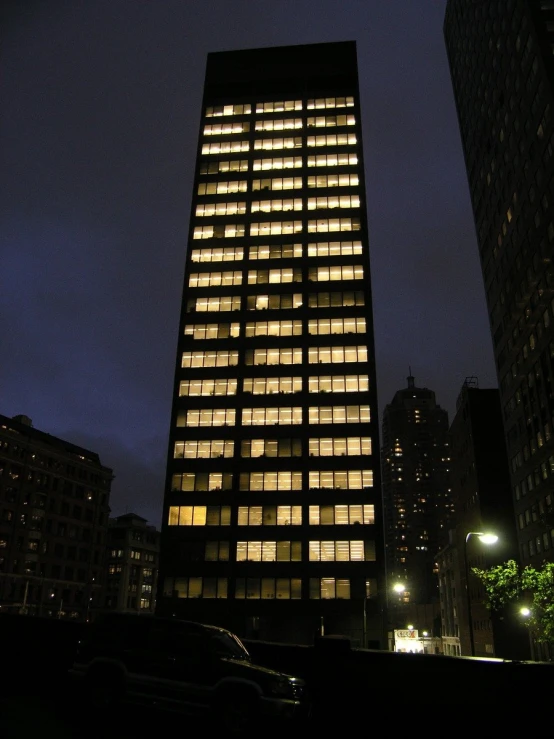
416 496
133 552
272 518
54 506
480 483
501 63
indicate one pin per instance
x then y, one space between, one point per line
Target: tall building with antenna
272 523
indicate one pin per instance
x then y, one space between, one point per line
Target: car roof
136 618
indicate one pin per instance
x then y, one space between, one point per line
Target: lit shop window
275 228
329 588
216 551
282 480
222 188
213 331
270 385
290 142
279 107
332 139
334 201
332 160
200 515
280 416
282 515
273 356
274 302
329 225
214 305
220 386
341 515
277 163
336 354
335 248
217 111
275 251
336 272
283 124
228 231
340 102
338 383
278 183
341 551
269 206
328 121
270 448
225 147
339 414
210 359
207 417
200 449
263 276
225 254
217 129
341 479
190 482
214 279
219 166
268 588
346 299
269 551
195 587
323 326
333 180
273 328
220 209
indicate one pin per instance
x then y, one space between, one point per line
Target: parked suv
186 667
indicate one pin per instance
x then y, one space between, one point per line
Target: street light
399 587
485 538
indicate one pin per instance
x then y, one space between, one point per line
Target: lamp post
485 539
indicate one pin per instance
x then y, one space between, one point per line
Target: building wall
54 504
272 519
500 57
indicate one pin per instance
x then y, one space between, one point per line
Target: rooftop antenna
410 378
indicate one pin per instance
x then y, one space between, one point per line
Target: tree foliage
508 583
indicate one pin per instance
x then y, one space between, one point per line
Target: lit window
279 416
206 417
339 414
225 147
210 359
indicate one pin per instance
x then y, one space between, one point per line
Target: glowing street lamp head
399 587
525 611
488 538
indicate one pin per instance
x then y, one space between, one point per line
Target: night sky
100 112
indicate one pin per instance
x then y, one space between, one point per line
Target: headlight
284 688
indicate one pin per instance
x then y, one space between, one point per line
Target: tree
529 586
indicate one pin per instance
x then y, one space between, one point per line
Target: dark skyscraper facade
501 64
416 490
272 518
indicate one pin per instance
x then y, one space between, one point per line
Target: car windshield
227 645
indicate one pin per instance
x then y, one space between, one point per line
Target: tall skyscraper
416 491
501 64
272 518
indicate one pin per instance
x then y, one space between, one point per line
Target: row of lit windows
290 142
261 588
220 166
333 273
278 124
291 551
281 106
276 416
253 448
277 251
316 327
269 206
189 482
275 385
288 355
276 228
271 515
